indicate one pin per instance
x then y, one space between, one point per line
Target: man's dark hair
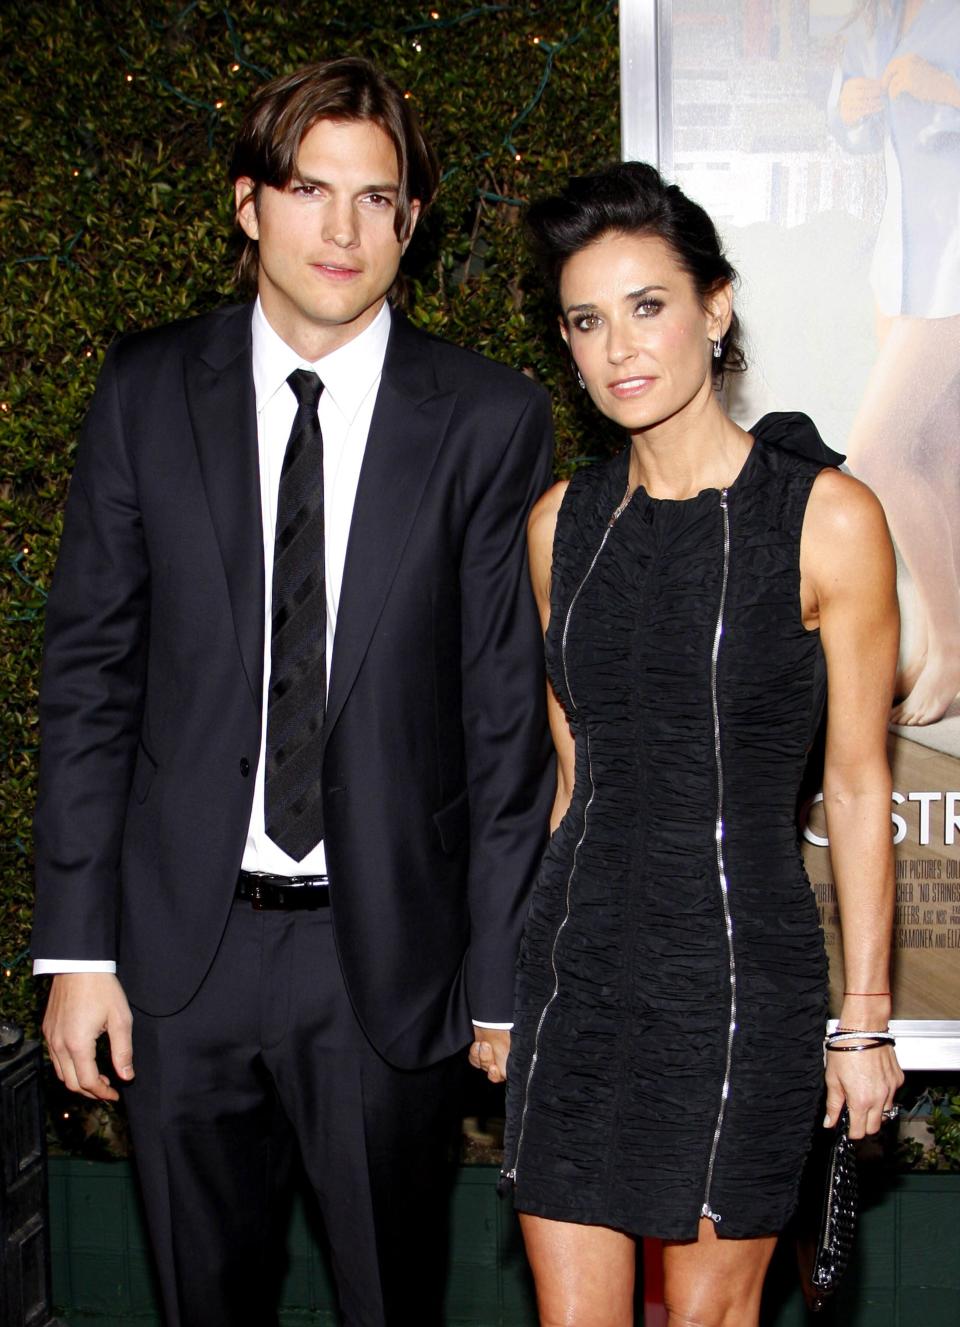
283 111
632 198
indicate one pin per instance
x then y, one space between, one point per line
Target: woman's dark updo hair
631 198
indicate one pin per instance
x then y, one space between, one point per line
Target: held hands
918 78
82 1005
906 74
490 1051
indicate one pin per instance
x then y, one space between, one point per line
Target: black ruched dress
671 996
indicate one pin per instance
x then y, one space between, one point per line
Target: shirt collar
347 373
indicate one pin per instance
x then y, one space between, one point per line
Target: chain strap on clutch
828 1215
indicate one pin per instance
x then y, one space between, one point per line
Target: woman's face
637 329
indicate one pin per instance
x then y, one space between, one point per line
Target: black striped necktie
298 644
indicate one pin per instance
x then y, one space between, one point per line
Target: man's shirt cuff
45 966
495 1027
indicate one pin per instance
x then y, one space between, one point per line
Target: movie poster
824 138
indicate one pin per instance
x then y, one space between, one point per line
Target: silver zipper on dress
706 1210
511 1174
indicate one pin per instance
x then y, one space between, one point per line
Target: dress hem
554 1212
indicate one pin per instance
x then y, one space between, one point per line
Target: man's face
328 249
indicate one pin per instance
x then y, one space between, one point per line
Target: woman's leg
584 1274
937 683
711 1282
905 430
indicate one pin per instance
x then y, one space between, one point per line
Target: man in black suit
293 752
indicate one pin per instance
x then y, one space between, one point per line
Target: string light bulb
234 68
219 105
129 78
417 46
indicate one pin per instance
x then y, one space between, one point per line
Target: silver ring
891 1114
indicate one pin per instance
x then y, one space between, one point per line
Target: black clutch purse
827 1214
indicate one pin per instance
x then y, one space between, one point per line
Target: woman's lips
625 388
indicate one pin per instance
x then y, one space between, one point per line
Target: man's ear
245 204
411 224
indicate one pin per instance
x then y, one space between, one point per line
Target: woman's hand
867 1081
490 1051
859 99
918 78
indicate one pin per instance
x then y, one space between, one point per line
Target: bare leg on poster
904 443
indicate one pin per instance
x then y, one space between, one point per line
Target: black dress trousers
267 1057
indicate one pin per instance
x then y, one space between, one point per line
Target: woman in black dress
703 594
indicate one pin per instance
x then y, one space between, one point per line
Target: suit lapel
408 427
222 405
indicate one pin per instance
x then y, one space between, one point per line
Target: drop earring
577 374
717 348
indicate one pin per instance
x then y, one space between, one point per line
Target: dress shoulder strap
591 498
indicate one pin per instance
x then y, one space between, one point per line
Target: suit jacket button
244 766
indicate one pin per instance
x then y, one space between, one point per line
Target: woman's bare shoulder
844 508
846 542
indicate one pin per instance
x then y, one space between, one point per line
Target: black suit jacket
435 780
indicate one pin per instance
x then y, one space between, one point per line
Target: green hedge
117 122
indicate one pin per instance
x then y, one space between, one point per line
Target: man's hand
81 1006
490 1052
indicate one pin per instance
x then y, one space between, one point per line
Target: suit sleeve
91 692
507 745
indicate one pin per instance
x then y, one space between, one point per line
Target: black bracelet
864 1046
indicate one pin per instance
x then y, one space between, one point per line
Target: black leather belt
282 893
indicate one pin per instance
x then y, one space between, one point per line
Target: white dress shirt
351 379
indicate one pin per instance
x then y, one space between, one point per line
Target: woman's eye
586 322
648 308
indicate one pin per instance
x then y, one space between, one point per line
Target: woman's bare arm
848 577
540 531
